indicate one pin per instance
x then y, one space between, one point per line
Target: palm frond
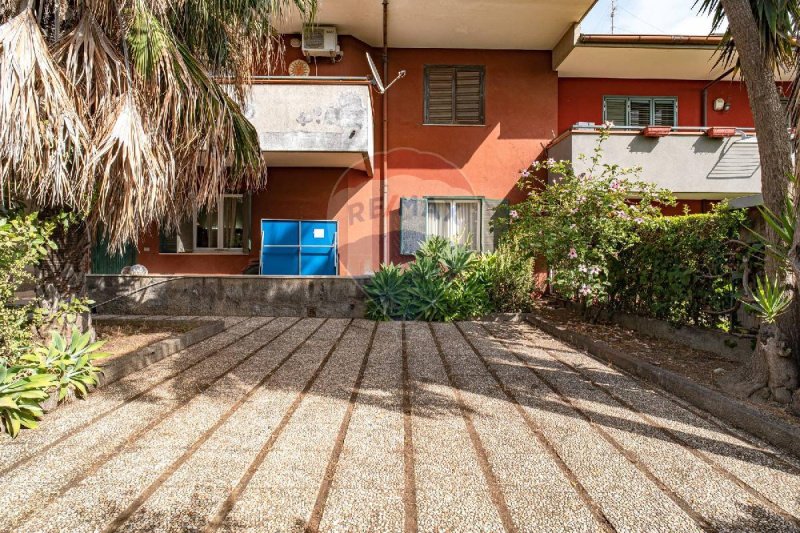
91 63
133 174
43 139
777 21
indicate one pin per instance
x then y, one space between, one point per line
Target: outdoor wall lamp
721 105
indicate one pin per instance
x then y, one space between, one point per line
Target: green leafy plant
22 389
71 363
580 222
445 282
24 241
684 269
770 299
387 293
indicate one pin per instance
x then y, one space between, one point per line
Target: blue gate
299 248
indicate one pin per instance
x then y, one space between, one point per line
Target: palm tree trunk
773 372
62 274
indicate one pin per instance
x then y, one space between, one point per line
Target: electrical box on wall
320 41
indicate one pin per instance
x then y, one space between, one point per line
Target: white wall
690 165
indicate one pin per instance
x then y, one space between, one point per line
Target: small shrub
511 279
24 241
72 364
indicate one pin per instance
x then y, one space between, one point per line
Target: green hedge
684 269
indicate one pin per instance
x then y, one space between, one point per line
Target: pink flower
572 253
526 173
585 290
513 214
638 220
615 185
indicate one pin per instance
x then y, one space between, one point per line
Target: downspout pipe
385 142
705 94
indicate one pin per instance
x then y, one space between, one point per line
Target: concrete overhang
677 57
470 24
313 122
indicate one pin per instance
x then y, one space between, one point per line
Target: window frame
220 235
481 69
453 200
632 98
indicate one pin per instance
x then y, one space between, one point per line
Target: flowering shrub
581 223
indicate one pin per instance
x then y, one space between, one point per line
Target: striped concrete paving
286 424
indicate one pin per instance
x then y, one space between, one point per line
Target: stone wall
186 295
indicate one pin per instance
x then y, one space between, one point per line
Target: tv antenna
613 15
376 77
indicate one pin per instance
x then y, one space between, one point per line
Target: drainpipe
705 94
385 142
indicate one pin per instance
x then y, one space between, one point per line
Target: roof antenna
613 15
376 77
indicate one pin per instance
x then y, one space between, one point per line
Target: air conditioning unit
320 41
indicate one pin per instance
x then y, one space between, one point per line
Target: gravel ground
338 425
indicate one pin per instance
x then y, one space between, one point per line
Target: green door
106 262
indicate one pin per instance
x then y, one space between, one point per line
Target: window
635 111
454 95
457 220
221 228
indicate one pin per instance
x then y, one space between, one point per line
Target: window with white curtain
456 220
222 227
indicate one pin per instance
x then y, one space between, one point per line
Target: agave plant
22 390
71 363
770 299
113 109
387 294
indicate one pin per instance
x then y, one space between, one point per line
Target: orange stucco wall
521 116
526 105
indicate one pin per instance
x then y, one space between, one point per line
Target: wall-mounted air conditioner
320 41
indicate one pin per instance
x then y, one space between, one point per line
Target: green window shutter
413 224
616 111
247 223
640 112
665 112
494 223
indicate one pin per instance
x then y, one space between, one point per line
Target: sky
676 17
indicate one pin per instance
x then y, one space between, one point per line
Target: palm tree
761 39
112 110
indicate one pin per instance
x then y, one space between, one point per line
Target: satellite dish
376 77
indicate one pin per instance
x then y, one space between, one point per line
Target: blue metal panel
299 247
280 232
318 233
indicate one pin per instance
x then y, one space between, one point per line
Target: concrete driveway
286 424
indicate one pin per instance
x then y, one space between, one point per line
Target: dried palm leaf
133 174
92 64
43 140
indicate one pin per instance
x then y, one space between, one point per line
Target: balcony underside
308 122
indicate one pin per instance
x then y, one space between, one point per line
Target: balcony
313 121
699 163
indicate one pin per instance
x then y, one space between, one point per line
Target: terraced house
365 161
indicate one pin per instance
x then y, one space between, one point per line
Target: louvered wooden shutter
454 95
469 96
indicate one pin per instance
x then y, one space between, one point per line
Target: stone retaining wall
192 295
